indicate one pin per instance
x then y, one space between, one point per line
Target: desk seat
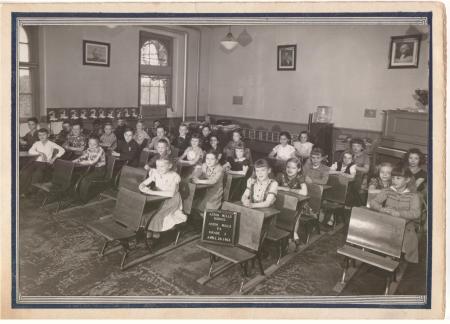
229 253
373 259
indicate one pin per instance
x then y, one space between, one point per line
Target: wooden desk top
236 176
26 154
339 174
268 211
202 185
293 194
154 198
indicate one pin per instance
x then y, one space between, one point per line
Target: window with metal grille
28 73
155 74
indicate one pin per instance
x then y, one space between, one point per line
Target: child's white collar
402 192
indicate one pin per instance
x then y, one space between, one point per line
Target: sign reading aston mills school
220 227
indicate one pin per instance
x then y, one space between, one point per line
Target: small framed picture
404 52
286 57
96 53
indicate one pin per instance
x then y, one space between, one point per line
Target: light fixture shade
244 38
229 42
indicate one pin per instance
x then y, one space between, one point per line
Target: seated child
383 181
360 156
120 128
292 180
399 201
205 138
346 167
108 140
228 150
314 170
182 141
93 155
239 164
97 129
261 191
193 154
32 136
283 151
127 150
75 142
140 135
160 134
35 171
211 173
215 146
163 150
166 184
154 129
302 146
61 137
414 159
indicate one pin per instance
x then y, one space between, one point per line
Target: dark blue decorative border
14 18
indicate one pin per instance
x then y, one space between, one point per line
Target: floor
58 256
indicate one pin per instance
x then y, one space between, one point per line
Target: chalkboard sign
220 227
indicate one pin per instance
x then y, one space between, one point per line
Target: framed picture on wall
96 53
404 52
286 57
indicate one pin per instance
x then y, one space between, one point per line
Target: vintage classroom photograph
219 159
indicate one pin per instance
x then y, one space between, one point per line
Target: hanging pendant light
229 42
244 38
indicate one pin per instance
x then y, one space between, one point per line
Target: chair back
129 208
174 152
376 231
143 158
250 225
62 173
276 165
187 191
110 163
286 201
370 196
227 181
339 189
288 216
130 178
315 192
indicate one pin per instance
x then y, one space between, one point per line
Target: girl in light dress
303 147
283 151
164 182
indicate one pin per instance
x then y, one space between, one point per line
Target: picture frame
286 57
96 53
404 51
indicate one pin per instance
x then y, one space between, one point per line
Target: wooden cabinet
321 135
402 130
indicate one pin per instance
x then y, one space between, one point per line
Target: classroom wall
345 67
67 83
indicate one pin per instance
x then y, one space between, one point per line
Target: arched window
155 74
154 53
28 73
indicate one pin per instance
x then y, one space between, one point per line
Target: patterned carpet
58 256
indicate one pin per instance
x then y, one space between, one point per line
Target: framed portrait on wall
404 52
286 57
96 53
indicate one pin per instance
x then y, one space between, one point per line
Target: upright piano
402 130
